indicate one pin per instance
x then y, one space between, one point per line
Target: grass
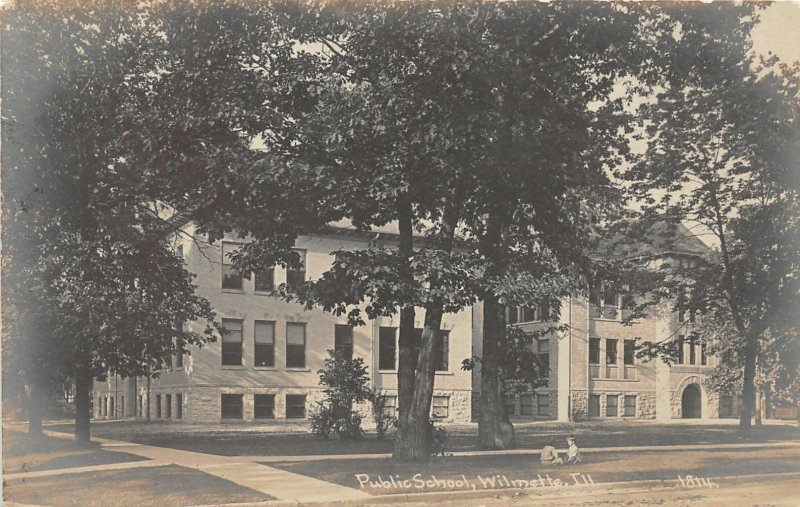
137 487
611 467
243 441
23 453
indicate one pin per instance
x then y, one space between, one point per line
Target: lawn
167 485
23 453
243 441
384 476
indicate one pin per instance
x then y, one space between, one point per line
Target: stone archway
692 402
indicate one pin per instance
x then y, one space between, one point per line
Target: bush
345 383
382 420
322 421
438 438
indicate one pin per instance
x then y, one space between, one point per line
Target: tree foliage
722 145
92 282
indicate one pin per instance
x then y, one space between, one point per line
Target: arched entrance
691 402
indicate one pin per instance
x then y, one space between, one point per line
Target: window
594 405
596 294
179 406
122 406
264 405
230 278
390 408
692 351
264 280
610 303
264 343
295 345
543 355
441 405
543 404
179 361
526 403
679 346
232 342
168 406
158 406
343 340
630 406
512 315
629 355
113 414
295 406
703 357
139 406
231 406
594 350
611 352
604 296
725 405
516 314
511 404
295 278
387 348
441 352
612 400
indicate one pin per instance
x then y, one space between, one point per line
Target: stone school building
265 367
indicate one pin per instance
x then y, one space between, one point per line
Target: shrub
345 383
438 438
382 420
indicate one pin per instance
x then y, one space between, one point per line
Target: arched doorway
691 402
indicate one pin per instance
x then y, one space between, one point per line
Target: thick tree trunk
415 443
416 446
749 387
407 360
83 387
494 429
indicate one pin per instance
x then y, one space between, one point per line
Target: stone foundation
579 405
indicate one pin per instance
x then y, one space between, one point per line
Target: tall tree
723 143
87 242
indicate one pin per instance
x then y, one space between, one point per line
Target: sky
779 31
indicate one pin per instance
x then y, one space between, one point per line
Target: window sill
387 371
233 291
445 373
232 367
263 293
297 369
265 368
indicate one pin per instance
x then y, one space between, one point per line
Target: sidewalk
244 471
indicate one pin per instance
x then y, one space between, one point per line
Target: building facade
265 366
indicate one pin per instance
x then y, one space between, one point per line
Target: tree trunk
494 428
83 387
406 358
749 388
415 443
36 402
759 402
416 446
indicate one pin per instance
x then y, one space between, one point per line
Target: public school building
265 367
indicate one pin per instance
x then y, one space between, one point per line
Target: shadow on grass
237 441
26 453
167 485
